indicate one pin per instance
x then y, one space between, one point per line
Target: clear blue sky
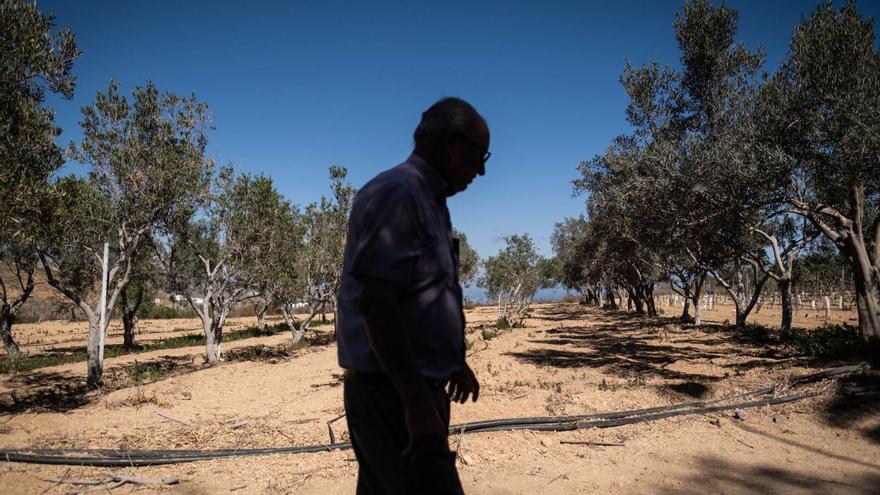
298 86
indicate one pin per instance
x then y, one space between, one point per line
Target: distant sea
477 294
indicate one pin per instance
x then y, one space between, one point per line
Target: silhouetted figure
401 323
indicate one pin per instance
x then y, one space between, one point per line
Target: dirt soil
568 360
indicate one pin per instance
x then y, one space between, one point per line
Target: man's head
454 139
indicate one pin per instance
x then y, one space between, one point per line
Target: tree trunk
208 328
6 319
785 300
95 366
649 299
867 287
868 303
698 288
295 333
261 315
129 316
612 303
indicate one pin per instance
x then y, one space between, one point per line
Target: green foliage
831 342
32 61
489 334
144 372
325 226
514 275
504 323
821 132
468 259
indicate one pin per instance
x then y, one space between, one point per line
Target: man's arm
380 307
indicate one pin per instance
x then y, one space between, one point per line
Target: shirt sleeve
388 242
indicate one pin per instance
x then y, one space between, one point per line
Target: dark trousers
377 428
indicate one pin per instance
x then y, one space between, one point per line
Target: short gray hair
444 120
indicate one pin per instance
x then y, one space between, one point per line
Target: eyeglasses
478 146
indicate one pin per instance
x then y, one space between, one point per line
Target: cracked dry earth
568 360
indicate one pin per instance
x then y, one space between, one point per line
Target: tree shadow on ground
867 464
719 476
64 391
858 401
628 345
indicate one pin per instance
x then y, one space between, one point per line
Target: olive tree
325 224
214 261
147 164
669 197
141 287
824 132
513 277
468 259
33 60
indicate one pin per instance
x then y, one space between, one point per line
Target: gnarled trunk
785 299
94 364
262 309
295 332
129 316
6 320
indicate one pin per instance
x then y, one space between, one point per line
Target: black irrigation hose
105 457
482 425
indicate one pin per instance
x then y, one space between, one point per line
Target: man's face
468 159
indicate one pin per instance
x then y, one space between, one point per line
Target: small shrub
489 334
835 341
503 323
143 373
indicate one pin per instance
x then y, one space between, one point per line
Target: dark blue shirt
399 231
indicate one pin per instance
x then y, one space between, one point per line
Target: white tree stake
104 265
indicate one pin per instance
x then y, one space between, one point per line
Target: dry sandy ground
569 360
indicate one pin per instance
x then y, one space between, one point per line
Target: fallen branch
597 444
114 480
172 418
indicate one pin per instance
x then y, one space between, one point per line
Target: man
401 323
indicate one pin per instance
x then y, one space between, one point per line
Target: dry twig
595 444
172 418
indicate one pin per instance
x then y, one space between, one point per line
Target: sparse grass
604 386
136 399
32 362
840 341
504 324
144 372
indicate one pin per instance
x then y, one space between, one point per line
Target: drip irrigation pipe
105 457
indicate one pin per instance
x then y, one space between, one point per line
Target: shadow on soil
719 476
630 346
860 405
627 345
64 391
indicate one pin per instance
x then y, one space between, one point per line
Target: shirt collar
429 174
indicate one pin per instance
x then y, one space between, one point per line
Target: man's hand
427 435
463 383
